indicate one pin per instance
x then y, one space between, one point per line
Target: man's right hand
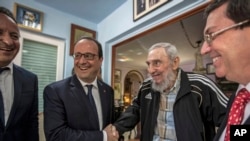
112 133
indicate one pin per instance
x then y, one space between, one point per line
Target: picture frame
117 76
28 18
210 68
117 90
76 33
116 103
143 7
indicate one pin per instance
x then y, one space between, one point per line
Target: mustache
4 46
167 82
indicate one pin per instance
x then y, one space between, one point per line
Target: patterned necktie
92 101
237 110
1 100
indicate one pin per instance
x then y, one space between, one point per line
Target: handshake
112 133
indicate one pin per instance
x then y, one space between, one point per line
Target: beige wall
41 132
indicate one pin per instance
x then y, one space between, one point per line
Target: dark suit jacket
68 115
22 124
223 124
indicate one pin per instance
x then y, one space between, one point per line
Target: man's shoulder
104 84
59 83
198 78
23 72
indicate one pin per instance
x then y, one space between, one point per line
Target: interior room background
114 29
110 31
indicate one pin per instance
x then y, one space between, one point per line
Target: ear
101 59
176 63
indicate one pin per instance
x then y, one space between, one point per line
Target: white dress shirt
7 89
97 99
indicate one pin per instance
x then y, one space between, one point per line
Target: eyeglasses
87 56
209 37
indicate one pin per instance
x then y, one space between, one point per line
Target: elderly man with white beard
172 104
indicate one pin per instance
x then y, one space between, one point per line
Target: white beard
167 82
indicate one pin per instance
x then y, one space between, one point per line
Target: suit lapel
80 95
247 121
104 98
224 122
77 91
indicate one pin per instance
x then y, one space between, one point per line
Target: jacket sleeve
129 119
214 103
32 127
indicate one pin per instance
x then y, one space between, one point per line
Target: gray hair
170 49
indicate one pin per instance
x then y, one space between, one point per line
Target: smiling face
9 40
84 68
161 69
230 49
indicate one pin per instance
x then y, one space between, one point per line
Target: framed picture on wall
28 18
143 7
76 33
117 75
117 90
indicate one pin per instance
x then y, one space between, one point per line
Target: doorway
132 82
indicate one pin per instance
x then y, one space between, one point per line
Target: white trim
60 44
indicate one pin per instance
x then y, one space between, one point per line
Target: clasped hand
112 133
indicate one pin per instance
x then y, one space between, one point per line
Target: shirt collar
94 83
242 86
10 66
177 82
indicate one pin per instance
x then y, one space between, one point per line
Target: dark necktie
237 110
1 100
92 101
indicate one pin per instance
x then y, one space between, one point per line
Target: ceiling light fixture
188 39
199 67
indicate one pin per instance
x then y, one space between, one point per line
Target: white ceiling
91 10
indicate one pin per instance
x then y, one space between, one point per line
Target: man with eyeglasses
81 107
227 41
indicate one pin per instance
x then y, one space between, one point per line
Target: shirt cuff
104 136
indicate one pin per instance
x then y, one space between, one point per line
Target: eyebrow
153 60
207 31
15 33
